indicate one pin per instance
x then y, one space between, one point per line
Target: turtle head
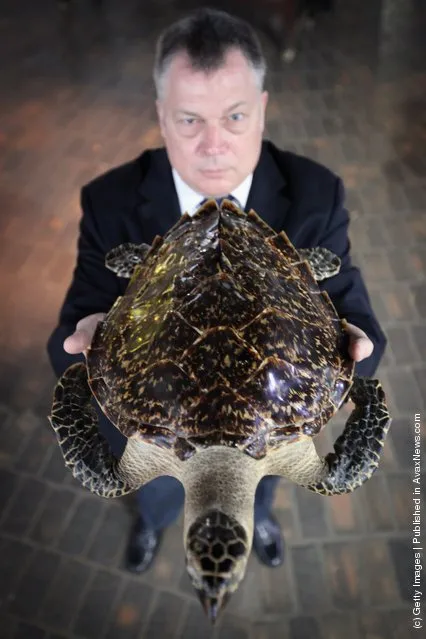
217 551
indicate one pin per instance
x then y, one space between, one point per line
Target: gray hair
206 35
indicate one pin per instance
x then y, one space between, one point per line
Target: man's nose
213 142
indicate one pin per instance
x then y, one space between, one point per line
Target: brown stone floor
76 99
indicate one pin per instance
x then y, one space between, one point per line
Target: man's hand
82 337
360 346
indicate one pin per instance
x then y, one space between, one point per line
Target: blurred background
348 88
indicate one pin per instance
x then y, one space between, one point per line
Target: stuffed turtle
219 364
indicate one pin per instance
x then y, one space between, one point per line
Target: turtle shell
222 337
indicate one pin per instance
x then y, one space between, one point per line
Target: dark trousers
161 499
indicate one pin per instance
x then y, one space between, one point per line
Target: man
209 73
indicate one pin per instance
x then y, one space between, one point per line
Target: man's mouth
213 171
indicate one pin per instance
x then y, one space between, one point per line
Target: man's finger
90 322
81 339
360 348
360 345
77 342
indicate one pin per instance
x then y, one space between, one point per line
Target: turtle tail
357 451
84 449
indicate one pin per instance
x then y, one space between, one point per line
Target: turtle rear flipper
123 259
85 450
323 262
357 451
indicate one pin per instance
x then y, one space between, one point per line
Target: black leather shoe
268 541
142 547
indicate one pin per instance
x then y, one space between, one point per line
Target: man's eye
236 117
188 120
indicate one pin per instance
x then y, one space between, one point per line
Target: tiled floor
76 99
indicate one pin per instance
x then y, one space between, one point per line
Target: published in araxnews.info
418 553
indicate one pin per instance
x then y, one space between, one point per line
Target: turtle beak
213 605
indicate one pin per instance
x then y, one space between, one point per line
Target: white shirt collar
189 200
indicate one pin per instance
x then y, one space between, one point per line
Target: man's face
212 124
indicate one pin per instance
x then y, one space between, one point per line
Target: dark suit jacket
137 201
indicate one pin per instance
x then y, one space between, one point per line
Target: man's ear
264 101
160 115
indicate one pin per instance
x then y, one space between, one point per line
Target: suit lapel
267 194
159 208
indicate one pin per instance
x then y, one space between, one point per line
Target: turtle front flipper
323 262
85 450
357 451
123 259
